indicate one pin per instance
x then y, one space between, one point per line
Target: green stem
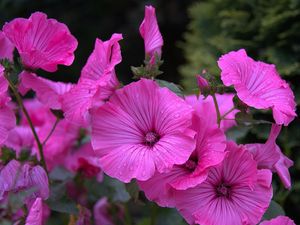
20 103
217 109
128 220
224 116
153 214
51 131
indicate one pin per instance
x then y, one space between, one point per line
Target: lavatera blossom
7 116
269 156
97 82
209 151
41 42
279 220
234 193
258 85
142 129
149 30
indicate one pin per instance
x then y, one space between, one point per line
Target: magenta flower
16 177
60 142
48 92
84 160
101 213
258 85
97 82
149 30
41 42
205 106
142 129
35 215
235 192
279 220
7 48
84 217
269 156
20 138
7 116
210 147
62 139
202 83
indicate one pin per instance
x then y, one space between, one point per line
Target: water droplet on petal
177 115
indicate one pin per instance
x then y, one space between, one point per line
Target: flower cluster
175 147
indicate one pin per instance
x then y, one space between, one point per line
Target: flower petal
41 42
258 85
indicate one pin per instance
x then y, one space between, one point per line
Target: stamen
151 138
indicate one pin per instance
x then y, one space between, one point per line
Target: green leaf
120 191
63 206
57 190
133 190
171 86
237 133
60 174
247 119
145 221
273 211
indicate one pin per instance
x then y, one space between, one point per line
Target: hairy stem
127 220
51 131
219 118
224 116
153 214
21 104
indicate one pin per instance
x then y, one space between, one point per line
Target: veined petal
149 30
48 92
41 42
258 85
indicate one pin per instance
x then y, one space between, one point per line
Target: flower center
223 190
151 138
191 164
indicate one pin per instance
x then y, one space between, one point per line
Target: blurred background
196 34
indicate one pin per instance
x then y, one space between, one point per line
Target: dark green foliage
268 29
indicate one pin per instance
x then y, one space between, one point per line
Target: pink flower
7 122
84 160
15 177
62 139
48 92
60 142
101 214
149 30
269 156
205 106
97 82
234 193
210 147
20 138
41 42
7 116
142 129
38 113
35 215
258 85
6 47
84 217
202 83
279 220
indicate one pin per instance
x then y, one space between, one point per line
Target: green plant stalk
153 214
20 103
128 220
219 118
224 116
51 132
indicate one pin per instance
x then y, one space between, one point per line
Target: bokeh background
196 33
